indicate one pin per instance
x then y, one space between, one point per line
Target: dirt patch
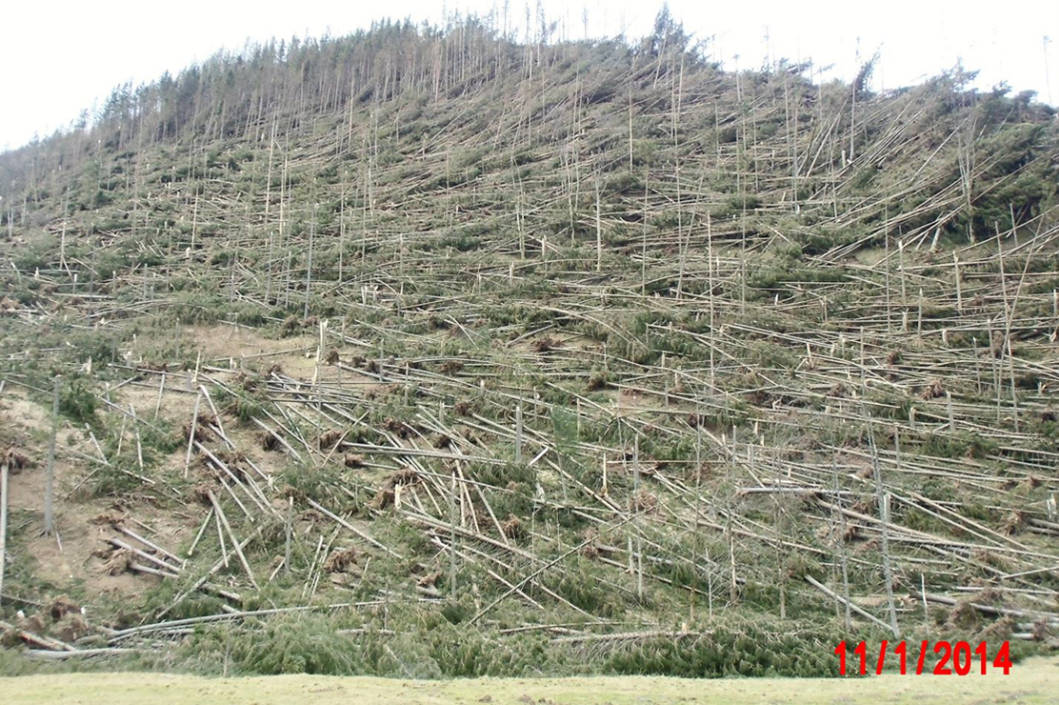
70 558
629 403
25 414
27 427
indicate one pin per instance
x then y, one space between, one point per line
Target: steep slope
560 357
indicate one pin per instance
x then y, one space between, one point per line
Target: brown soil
340 560
77 559
69 558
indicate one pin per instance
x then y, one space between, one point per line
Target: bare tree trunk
290 529
733 587
842 548
518 434
454 567
883 499
637 509
309 264
643 248
599 231
3 526
956 277
49 490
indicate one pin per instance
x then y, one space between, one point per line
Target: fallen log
79 653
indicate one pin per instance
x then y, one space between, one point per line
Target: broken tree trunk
235 540
835 596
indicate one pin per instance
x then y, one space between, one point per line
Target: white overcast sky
57 58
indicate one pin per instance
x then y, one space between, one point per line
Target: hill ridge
519 342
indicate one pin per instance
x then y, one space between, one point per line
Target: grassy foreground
1033 681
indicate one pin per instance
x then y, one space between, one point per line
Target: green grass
1033 681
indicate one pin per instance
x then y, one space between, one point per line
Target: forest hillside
427 351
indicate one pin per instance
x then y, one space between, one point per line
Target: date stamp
940 658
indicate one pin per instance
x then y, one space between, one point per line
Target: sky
59 58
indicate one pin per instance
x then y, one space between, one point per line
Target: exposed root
839 391
1014 522
70 628
451 367
338 561
248 383
8 306
62 606
590 550
118 562
933 390
201 493
203 433
599 381
429 580
16 461
268 441
544 344
385 496
512 527
329 438
109 518
400 428
234 461
644 502
33 623
1030 483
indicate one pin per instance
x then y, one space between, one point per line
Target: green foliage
422 186
77 401
37 254
732 652
962 445
286 644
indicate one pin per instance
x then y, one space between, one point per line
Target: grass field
1033 681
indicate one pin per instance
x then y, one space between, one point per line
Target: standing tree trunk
309 263
49 490
883 499
3 526
599 231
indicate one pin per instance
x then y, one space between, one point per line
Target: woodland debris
329 438
384 497
118 561
933 390
108 518
340 560
16 460
62 606
70 628
512 527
